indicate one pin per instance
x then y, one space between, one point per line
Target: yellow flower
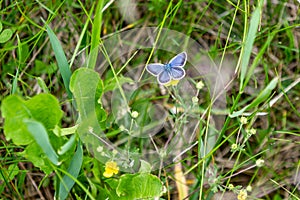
111 168
172 82
242 195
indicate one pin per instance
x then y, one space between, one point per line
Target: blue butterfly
171 71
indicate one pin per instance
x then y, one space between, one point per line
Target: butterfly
173 70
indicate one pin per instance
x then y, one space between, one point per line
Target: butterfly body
173 70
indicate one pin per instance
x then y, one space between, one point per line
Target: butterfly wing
179 60
164 77
177 73
155 68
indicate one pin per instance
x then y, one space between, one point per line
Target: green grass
90 57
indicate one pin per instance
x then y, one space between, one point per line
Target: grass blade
67 146
263 95
42 84
15 82
40 135
67 182
95 40
258 57
246 53
61 59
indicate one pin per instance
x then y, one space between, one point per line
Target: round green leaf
5 35
139 186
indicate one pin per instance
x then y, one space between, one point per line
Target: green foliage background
42 43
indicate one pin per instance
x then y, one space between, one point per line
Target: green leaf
61 59
96 32
87 88
41 68
40 135
247 49
84 84
34 154
145 167
110 192
111 85
65 131
1 26
113 183
259 56
15 83
23 53
67 146
263 95
5 35
67 182
45 108
9 173
14 111
42 84
139 186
